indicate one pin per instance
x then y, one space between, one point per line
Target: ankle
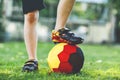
32 60
58 28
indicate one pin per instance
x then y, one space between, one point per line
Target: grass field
101 63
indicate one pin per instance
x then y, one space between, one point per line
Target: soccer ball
65 58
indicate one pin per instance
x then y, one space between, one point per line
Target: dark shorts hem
32 5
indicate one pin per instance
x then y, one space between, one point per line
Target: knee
32 17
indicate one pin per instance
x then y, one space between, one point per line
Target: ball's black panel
77 60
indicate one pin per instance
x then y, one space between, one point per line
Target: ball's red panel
56 70
65 67
63 57
69 49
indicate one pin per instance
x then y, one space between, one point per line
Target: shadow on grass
88 75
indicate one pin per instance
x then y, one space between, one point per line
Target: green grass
101 63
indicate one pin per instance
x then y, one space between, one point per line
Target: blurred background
97 21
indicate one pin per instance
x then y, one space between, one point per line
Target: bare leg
30 34
63 11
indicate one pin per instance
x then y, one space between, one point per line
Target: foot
65 36
30 65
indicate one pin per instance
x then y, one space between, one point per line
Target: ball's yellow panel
53 60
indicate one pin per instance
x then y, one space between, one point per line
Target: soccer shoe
30 65
65 36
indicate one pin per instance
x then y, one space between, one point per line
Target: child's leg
31 14
63 12
30 34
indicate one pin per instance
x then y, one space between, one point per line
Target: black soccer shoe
64 35
30 66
